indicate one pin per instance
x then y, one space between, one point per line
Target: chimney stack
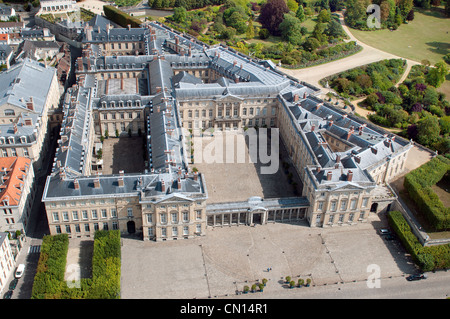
329 175
97 183
76 184
349 176
163 186
296 97
179 183
30 104
120 181
195 176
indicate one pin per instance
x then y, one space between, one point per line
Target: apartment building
16 193
29 96
6 260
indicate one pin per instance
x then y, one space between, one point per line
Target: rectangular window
115 225
150 232
343 204
185 217
186 230
130 212
174 231
55 217
96 226
163 232
149 218
353 204
174 218
113 212
333 206
198 214
94 214
86 228
198 228
105 226
68 229
77 228
65 216
163 218
75 215
104 214
84 214
58 229
364 202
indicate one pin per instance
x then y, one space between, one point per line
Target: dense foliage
418 184
392 13
427 258
414 106
49 280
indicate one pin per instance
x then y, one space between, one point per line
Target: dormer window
23 139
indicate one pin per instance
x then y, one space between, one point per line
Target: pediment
173 198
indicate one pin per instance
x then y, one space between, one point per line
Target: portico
257 211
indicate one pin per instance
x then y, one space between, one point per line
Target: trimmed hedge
418 184
121 18
49 282
49 278
106 265
427 258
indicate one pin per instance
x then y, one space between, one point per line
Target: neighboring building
37 34
29 94
7 13
57 6
116 41
10 27
6 53
16 193
38 50
174 82
7 262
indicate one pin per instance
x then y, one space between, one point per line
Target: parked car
13 284
19 271
416 277
8 295
384 231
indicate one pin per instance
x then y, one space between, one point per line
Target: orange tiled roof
3 36
12 176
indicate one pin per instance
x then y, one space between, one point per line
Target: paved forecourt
228 258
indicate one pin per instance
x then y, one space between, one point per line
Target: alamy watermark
374 17
374 278
258 146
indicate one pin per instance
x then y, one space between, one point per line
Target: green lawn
426 37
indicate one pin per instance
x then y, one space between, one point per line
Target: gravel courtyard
228 258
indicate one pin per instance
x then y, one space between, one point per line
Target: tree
334 29
300 14
272 14
428 130
179 15
405 6
292 5
290 29
236 18
250 34
324 16
319 33
311 44
436 75
410 15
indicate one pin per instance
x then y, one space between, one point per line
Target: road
437 286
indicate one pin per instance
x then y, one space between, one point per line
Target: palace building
154 82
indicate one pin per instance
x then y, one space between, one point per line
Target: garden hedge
49 282
418 184
121 18
427 258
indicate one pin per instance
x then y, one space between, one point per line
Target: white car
19 271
